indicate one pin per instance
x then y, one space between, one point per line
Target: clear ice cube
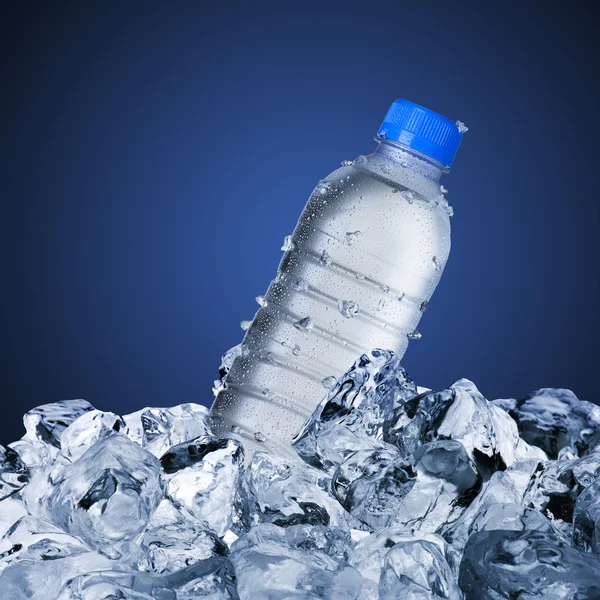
201 476
586 518
554 418
288 493
269 563
47 422
107 496
526 564
14 474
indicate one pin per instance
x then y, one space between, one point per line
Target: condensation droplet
296 350
424 306
323 187
261 301
415 335
260 437
299 285
329 382
352 236
462 127
401 296
443 189
348 308
436 263
288 244
325 259
408 196
347 163
381 304
245 325
218 385
236 429
384 288
305 324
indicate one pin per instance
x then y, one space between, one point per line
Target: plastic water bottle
364 259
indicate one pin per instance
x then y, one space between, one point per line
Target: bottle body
357 273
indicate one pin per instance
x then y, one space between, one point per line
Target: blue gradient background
154 155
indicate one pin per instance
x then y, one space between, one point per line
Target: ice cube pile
395 494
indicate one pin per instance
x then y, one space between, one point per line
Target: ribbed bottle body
363 261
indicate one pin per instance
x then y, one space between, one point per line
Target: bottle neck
408 158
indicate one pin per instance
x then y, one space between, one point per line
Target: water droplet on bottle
450 211
381 304
305 324
394 190
245 325
415 335
348 308
436 263
347 163
352 236
401 296
236 429
261 300
384 288
288 244
296 350
359 276
408 196
424 306
443 189
299 285
462 127
260 437
323 187
329 382
325 259
404 164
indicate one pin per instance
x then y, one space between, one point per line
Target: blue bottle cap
421 129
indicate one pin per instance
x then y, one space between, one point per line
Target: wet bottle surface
364 259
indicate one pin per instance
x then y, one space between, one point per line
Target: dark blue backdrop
155 155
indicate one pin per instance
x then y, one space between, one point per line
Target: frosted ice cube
370 484
202 476
527 564
86 430
287 493
107 496
47 422
14 474
553 418
352 416
417 570
269 564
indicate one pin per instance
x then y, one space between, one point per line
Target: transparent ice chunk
553 418
14 474
107 496
527 564
369 554
86 430
35 454
201 476
158 429
352 416
269 563
370 484
42 578
417 570
288 493
586 518
47 422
